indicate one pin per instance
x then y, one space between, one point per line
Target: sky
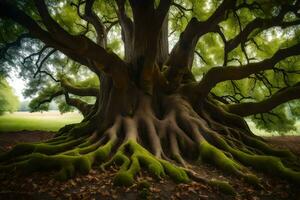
17 84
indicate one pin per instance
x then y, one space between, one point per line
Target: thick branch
80 91
92 17
163 10
79 48
220 74
182 55
127 29
242 37
280 97
83 107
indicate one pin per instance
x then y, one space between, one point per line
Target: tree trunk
146 123
162 132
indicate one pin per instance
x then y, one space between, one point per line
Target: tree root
163 146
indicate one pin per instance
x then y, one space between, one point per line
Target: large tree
157 108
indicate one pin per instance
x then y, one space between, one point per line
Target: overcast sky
17 84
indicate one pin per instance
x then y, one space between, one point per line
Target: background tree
153 107
8 100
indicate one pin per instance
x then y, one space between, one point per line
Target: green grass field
53 121
46 121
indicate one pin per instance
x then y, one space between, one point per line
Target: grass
53 121
47 121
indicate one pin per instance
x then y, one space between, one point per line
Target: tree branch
182 55
39 66
127 29
242 37
82 106
97 23
162 10
15 43
280 97
79 48
80 91
220 74
48 100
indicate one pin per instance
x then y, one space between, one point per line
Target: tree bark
144 117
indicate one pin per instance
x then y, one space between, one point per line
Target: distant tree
24 106
170 83
8 100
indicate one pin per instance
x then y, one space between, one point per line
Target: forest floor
99 185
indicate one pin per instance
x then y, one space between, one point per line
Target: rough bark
147 118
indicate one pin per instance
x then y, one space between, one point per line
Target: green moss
143 184
65 173
82 128
131 164
269 164
54 149
83 164
124 178
212 154
176 173
267 149
251 179
18 150
65 129
102 153
224 187
56 139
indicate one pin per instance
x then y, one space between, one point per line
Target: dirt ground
99 185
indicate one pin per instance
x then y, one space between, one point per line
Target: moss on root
212 154
218 158
223 186
140 157
270 164
267 149
43 148
66 165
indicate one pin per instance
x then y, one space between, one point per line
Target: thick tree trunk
146 123
157 130
163 132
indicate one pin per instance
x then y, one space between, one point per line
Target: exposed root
163 144
131 156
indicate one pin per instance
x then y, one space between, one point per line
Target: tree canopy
250 32
8 100
160 84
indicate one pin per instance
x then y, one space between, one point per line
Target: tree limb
80 91
15 43
182 55
162 10
127 29
220 74
264 106
49 99
97 23
82 106
79 48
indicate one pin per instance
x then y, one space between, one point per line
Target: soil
99 185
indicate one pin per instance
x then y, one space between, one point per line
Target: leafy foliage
8 100
262 43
